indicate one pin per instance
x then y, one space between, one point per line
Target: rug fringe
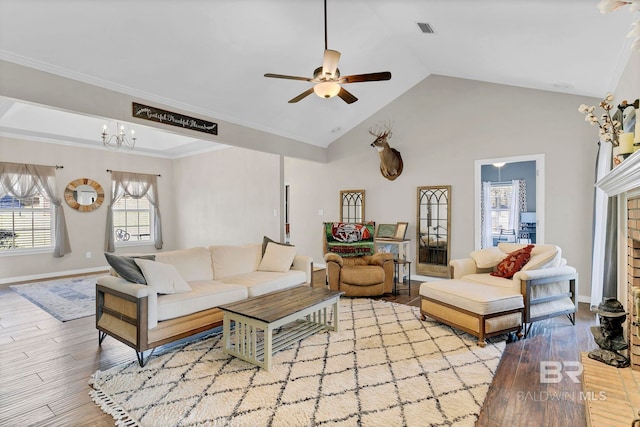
108 406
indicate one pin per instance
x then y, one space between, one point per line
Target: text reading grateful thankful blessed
175 119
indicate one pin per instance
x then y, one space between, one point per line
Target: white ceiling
210 56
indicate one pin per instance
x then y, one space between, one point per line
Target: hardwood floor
517 397
45 366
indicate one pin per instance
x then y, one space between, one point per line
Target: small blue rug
65 299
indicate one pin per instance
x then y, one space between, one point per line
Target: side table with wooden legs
399 265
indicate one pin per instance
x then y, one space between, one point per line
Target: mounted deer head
390 158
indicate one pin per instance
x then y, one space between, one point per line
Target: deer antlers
381 130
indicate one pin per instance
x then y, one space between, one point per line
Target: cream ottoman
478 309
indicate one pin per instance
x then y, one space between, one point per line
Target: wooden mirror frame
350 199
72 187
442 250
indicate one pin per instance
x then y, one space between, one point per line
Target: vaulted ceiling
209 57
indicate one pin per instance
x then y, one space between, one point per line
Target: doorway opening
509 200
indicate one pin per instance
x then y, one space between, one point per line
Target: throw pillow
266 241
164 278
488 257
277 258
540 261
127 268
513 263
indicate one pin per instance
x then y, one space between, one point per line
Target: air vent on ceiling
425 28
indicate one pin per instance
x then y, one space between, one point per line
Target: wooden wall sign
167 117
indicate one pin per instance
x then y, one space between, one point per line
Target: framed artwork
386 231
395 231
401 230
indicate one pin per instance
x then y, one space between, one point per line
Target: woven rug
65 299
385 367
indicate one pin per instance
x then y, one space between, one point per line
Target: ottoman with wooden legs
478 309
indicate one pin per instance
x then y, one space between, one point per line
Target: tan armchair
367 275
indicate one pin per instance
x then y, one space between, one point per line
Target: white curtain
24 181
515 206
485 218
135 185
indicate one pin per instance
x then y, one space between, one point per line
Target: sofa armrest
554 274
548 292
121 286
304 263
331 257
462 267
380 258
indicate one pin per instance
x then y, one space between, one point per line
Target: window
500 196
26 224
132 220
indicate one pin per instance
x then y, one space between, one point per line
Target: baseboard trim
584 298
52 275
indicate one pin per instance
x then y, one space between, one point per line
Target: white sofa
144 318
484 305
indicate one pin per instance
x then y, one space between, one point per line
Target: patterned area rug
384 367
65 299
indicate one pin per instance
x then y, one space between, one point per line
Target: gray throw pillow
127 268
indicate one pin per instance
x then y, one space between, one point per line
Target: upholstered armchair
367 275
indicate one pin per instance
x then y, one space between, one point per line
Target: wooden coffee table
302 310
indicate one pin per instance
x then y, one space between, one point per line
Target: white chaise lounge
484 305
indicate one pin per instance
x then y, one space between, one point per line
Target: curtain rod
158 175
56 166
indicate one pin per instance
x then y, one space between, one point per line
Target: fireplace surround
624 182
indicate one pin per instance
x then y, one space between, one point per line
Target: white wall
441 126
86 229
227 197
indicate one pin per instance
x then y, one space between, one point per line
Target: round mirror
84 195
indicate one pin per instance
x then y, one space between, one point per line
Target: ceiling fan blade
370 77
282 76
347 96
330 63
301 96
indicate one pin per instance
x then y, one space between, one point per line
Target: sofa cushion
277 258
192 264
203 295
362 275
488 257
164 278
487 279
233 260
262 282
513 262
126 267
474 297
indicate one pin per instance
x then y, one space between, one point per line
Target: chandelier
118 139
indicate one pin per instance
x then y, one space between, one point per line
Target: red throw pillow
513 262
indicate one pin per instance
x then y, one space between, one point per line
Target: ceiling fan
327 78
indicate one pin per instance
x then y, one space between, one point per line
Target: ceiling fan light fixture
326 89
330 63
